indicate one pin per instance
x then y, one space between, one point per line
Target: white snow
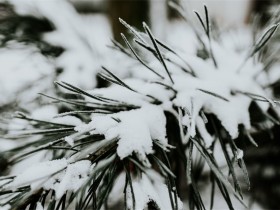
182 38
239 154
75 175
59 175
49 113
221 81
67 120
17 124
69 140
45 112
140 98
31 160
6 144
237 39
80 35
119 93
4 181
21 66
136 129
208 139
39 206
274 73
37 173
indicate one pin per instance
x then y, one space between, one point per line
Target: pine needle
138 58
148 31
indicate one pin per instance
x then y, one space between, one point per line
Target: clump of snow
136 129
231 109
208 139
234 114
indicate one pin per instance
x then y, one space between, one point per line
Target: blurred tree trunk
88 6
133 12
262 7
172 13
